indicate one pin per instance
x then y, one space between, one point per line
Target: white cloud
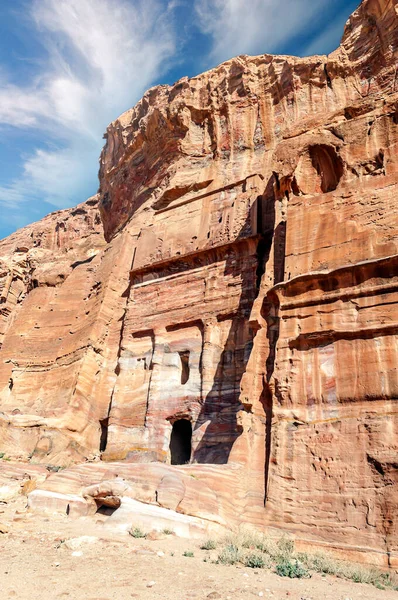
11 195
255 26
101 56
58 175
20 108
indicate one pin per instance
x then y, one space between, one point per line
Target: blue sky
70 67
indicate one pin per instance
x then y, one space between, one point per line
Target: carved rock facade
242 312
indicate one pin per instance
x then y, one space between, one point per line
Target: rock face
241 312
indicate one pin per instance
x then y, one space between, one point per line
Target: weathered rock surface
247 289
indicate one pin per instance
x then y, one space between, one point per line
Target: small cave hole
181 442
327 76
295 187
67 509
379 160
107 511
104 434
184 358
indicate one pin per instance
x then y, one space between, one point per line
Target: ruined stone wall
247 285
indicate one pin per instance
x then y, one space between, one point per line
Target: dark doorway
180 442
104 434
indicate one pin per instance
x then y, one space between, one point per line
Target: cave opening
181 442
104 434
107 511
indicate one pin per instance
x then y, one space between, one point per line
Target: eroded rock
243 306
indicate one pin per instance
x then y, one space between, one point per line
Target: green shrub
2 454
208 545
188 553
285 548
250 539
230 555
254 561
168 531
291 568
321 563
255 550
358 577
136 532
326 564
387 579
378 585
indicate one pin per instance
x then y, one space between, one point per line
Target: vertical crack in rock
184 358
126 295
328 78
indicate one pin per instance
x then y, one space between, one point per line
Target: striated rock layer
241 312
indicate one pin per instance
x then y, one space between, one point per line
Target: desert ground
49 557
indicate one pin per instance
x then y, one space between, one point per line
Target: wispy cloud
100 57
95 60
255 27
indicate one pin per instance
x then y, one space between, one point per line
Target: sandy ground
40 560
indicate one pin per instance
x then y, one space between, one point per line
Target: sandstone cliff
245 295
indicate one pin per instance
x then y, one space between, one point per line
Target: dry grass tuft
256 550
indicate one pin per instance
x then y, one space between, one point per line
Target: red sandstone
247 284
